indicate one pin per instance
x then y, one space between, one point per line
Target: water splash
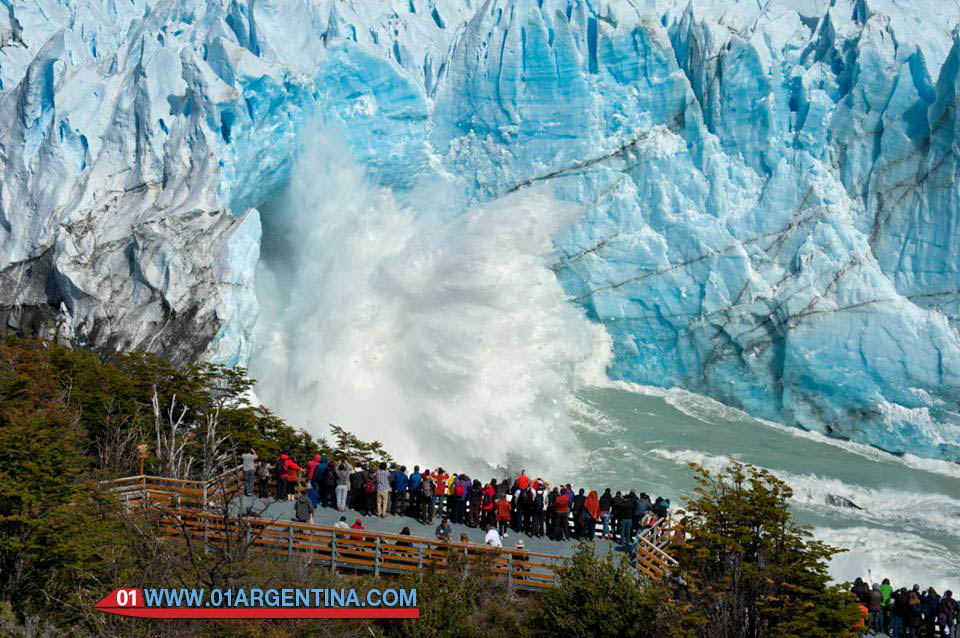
438 329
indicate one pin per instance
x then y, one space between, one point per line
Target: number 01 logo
126 598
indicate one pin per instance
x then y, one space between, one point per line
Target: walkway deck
216 513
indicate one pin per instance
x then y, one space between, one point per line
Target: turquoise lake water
908 529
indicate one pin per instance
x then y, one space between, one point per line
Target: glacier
767 197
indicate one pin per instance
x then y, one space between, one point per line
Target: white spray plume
439 331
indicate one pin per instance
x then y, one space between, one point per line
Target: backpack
279 467
487 501
459 490
524 501
369 486
948 609
426 486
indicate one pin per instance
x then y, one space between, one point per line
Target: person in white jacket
493 537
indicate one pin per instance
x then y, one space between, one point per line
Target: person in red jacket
312 465
440 492
293 470
312 484
358 524
562 508
289 473
487 499
523 481
503 515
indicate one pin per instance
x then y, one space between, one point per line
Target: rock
841 501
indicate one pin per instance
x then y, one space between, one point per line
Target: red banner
130 602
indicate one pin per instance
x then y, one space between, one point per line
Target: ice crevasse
768 193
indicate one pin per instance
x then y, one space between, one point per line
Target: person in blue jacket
413 489
415 480
400 483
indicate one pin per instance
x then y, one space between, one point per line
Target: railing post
510 573
206 533
203 506
420 561
376 559
289 541
333 551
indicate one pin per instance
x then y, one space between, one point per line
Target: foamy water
908 527
883 506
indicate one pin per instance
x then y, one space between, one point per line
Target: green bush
596 596
463 601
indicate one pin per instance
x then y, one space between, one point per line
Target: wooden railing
651 559
659 535
361 550
184 508
134 491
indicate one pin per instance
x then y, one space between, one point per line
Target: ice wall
768 191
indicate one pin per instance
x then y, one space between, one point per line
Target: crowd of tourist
906 613
520 505
531 507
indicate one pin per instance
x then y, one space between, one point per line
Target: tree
60 539
597 596
748 570
358 452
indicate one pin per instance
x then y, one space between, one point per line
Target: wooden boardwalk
194 511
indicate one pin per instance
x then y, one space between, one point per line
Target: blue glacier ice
767 192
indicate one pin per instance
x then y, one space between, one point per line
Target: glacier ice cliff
768 191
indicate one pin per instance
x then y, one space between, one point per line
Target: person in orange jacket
860 624
503 514
440 491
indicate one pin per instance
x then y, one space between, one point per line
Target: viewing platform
216 514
